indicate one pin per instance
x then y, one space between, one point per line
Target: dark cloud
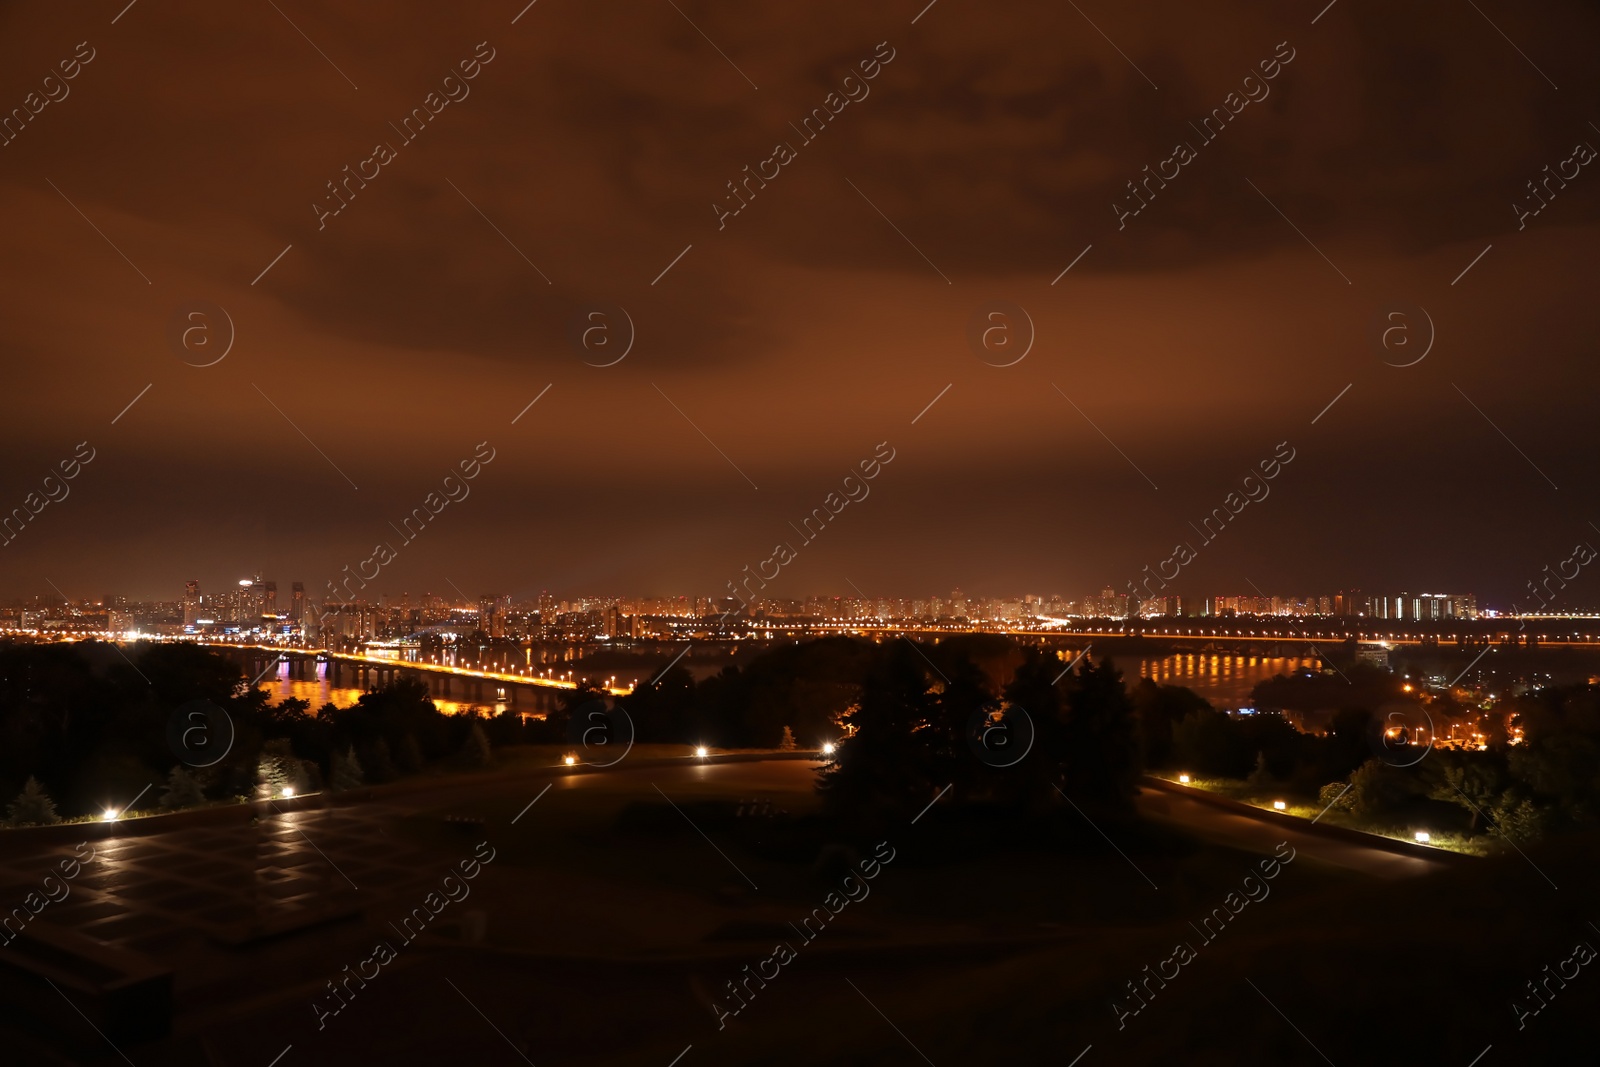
816 322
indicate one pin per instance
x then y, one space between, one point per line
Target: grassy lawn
579 826
972 874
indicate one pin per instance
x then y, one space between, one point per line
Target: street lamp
1278 805
1183 778
701 752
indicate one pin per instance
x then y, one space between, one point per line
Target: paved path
1262 834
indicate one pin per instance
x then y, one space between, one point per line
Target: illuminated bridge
522 690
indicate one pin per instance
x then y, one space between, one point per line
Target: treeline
994 720
930 717
805 687
1548 781
1179 731
87 727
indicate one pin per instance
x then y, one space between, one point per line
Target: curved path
1261 833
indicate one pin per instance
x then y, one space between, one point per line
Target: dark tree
1034 698
663 709
1099 756
882 769
1157 710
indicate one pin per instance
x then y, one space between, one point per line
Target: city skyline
1345 600
249 601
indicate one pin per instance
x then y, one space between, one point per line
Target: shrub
33 806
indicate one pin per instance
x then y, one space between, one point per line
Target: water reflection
1225 679
319 691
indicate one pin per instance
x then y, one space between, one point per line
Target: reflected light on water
1226 680
319 692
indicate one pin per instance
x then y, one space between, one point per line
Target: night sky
989 150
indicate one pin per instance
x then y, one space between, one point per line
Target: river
1225 679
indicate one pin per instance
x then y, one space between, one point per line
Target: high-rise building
492 609
1350 602
191 602
1427 606
249 603
297 603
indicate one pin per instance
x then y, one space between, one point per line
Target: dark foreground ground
617 908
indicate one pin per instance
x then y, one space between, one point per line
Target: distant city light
1184 778
569 760
1278 805
1423 837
